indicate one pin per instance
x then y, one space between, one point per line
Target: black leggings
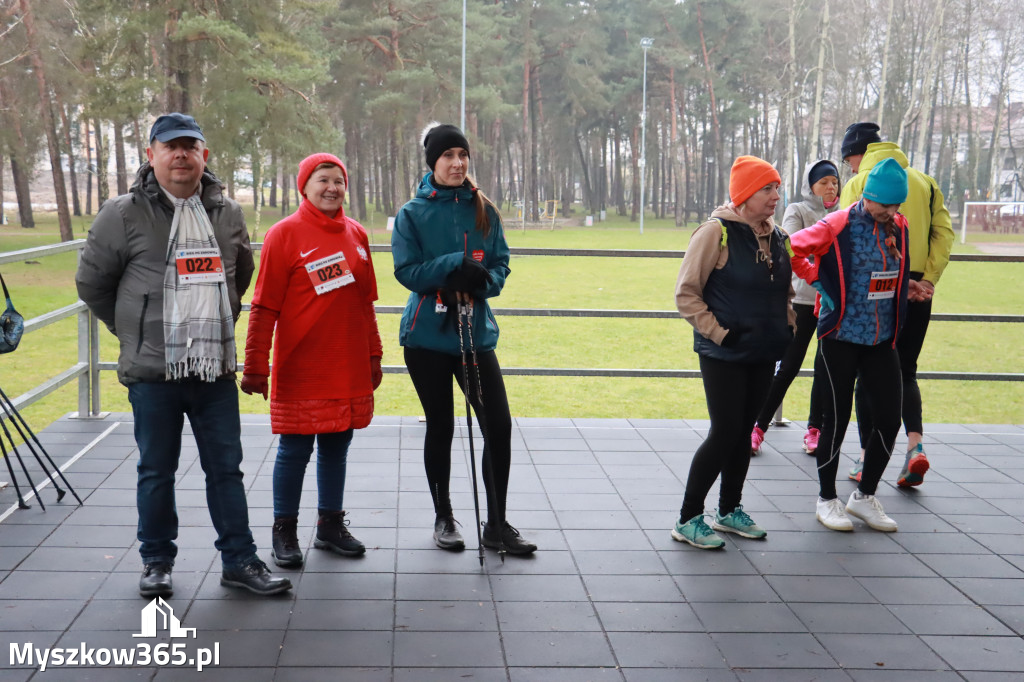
908 346
431 373
806 324
877 370
734 392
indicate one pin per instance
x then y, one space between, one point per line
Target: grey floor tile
581 674
647 617
913 590
853 618
677 674
557 649
950 620
666 650
552 616
538 588
342 614
620 562
820 675
51 585
819 588
346 586
444 675
872 651
730 588
446 616
430 587
325 649
746 617
606 540
39 614
638 588
781 651
434 649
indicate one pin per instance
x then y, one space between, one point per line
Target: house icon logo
158 615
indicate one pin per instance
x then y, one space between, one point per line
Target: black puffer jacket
121 271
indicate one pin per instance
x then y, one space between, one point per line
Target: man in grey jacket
164 268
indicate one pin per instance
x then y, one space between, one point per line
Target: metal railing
88 367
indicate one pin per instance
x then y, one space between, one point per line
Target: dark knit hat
441 138
748 175
858 137
886 183
308 164
822 169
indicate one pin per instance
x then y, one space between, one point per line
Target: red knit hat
307 165
748 175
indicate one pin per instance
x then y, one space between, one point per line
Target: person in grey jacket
164 268
820 189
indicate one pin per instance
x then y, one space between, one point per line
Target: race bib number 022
329 273
199 265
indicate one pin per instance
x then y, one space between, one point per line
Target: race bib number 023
199 265
329 273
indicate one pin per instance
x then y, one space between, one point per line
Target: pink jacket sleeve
815 240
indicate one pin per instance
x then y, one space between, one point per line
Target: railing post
94 364
84 356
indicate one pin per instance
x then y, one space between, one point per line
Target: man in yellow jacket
931 239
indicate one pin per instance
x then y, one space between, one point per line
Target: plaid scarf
199 338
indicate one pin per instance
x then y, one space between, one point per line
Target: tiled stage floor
610 596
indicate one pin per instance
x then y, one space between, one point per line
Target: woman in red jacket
316 284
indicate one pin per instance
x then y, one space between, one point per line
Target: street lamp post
645 43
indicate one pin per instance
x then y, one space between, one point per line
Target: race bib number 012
199 265
329 273
883 284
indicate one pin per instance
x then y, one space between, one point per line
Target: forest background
553 93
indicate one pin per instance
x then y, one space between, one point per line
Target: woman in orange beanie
316 284
734 288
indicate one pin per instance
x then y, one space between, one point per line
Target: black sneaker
285 542
156 580
509 539
255 577
446 535
332 533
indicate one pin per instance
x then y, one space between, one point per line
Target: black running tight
734 392
431 373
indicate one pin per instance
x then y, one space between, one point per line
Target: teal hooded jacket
433 231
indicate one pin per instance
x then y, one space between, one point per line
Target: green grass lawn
563 282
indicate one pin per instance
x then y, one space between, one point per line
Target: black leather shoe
508 539
332 534
285 543
255 577
446 535
156 580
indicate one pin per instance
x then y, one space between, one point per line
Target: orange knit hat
748 175
307 165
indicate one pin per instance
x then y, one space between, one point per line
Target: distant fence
88 366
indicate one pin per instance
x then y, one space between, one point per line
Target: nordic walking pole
22 504
499 512
464 313
14 449
11 409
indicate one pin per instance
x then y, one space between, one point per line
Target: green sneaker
738 522
697 533
856 471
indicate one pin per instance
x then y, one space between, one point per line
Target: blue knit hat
886 183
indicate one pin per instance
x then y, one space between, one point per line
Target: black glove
471 276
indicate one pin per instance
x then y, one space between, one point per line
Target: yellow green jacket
931 228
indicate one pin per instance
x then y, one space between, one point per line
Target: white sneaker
832 516
869 509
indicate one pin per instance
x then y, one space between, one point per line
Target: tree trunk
102 186
273 178
89 170
50 127
140 141
819 86
885 66
119 162
176 64
76 206
22 191
588 193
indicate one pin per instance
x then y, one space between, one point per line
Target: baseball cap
172 126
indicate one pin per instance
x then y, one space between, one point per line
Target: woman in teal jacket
450 251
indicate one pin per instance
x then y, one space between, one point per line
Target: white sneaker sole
682 538
735 531
844 527
883 527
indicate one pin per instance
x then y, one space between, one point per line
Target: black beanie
822 169
441 138
858 137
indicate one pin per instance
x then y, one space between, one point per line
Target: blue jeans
212 410
293 453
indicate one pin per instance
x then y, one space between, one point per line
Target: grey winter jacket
121 271
801 214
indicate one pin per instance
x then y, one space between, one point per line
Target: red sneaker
915 469
756 438
811 440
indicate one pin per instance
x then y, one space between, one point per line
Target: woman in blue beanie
860 270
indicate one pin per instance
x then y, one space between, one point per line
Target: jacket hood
211 189
427 190
805 185
728 212
882 150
